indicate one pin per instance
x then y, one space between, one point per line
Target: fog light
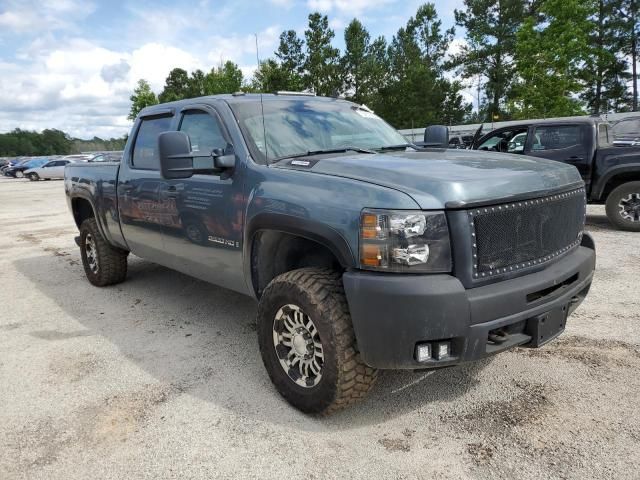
423 352
442 350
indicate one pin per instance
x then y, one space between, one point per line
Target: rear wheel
103 264
307 342
19 174
623 206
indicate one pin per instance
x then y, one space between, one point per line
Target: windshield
297 126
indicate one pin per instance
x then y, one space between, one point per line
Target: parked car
106 157
363 252
17 171
611 174
460 141
51 169
626 132
13 162
78 157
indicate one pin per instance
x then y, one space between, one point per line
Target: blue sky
72 64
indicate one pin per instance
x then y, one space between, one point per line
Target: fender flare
307 228
85 196
598 188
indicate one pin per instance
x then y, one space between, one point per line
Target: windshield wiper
310 153
401 146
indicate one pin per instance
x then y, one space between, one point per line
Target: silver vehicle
52 169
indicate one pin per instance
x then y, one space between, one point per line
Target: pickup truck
363 251
611 174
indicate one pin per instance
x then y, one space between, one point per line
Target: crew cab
611 174
364 251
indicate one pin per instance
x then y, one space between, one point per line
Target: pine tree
355 59
604 72
322 60
176 86
627 10
491 27
142 97
551 49
291 55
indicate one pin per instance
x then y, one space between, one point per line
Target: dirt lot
160 377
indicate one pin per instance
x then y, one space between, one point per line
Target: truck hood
448 178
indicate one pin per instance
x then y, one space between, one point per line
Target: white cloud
234 47
30 15
346 7
66 88
286 4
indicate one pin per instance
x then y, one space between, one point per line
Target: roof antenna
264 128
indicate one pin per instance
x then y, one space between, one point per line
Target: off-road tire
346 379
112 262
613 209
34 177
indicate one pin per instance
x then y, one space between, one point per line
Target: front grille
523 234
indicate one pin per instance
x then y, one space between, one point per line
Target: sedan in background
17 171
52 169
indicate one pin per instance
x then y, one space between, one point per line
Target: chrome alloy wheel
298 346
630 207
92 254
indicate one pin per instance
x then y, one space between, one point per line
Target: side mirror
176 159
436 136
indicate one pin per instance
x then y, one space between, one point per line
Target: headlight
404 241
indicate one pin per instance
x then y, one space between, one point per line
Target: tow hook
498 336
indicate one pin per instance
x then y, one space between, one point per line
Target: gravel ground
160 377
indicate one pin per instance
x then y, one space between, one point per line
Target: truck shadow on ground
200 340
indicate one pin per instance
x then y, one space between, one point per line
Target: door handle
575 158
172 192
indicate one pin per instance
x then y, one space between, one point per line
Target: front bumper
391 313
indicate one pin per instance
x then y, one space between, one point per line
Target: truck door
205 238
140 208
568 143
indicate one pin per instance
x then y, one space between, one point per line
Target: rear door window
557 137
145 150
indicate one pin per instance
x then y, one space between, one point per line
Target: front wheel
623 206
34 177
307 342
103 264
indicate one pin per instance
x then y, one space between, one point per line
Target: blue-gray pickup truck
364 251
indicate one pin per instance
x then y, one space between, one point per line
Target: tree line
18 143
522 59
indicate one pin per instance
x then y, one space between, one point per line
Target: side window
558 137
145 155
203 130
510 141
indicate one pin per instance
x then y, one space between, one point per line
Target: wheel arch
285 243
82 209
615 177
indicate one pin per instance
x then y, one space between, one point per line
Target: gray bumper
391 313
